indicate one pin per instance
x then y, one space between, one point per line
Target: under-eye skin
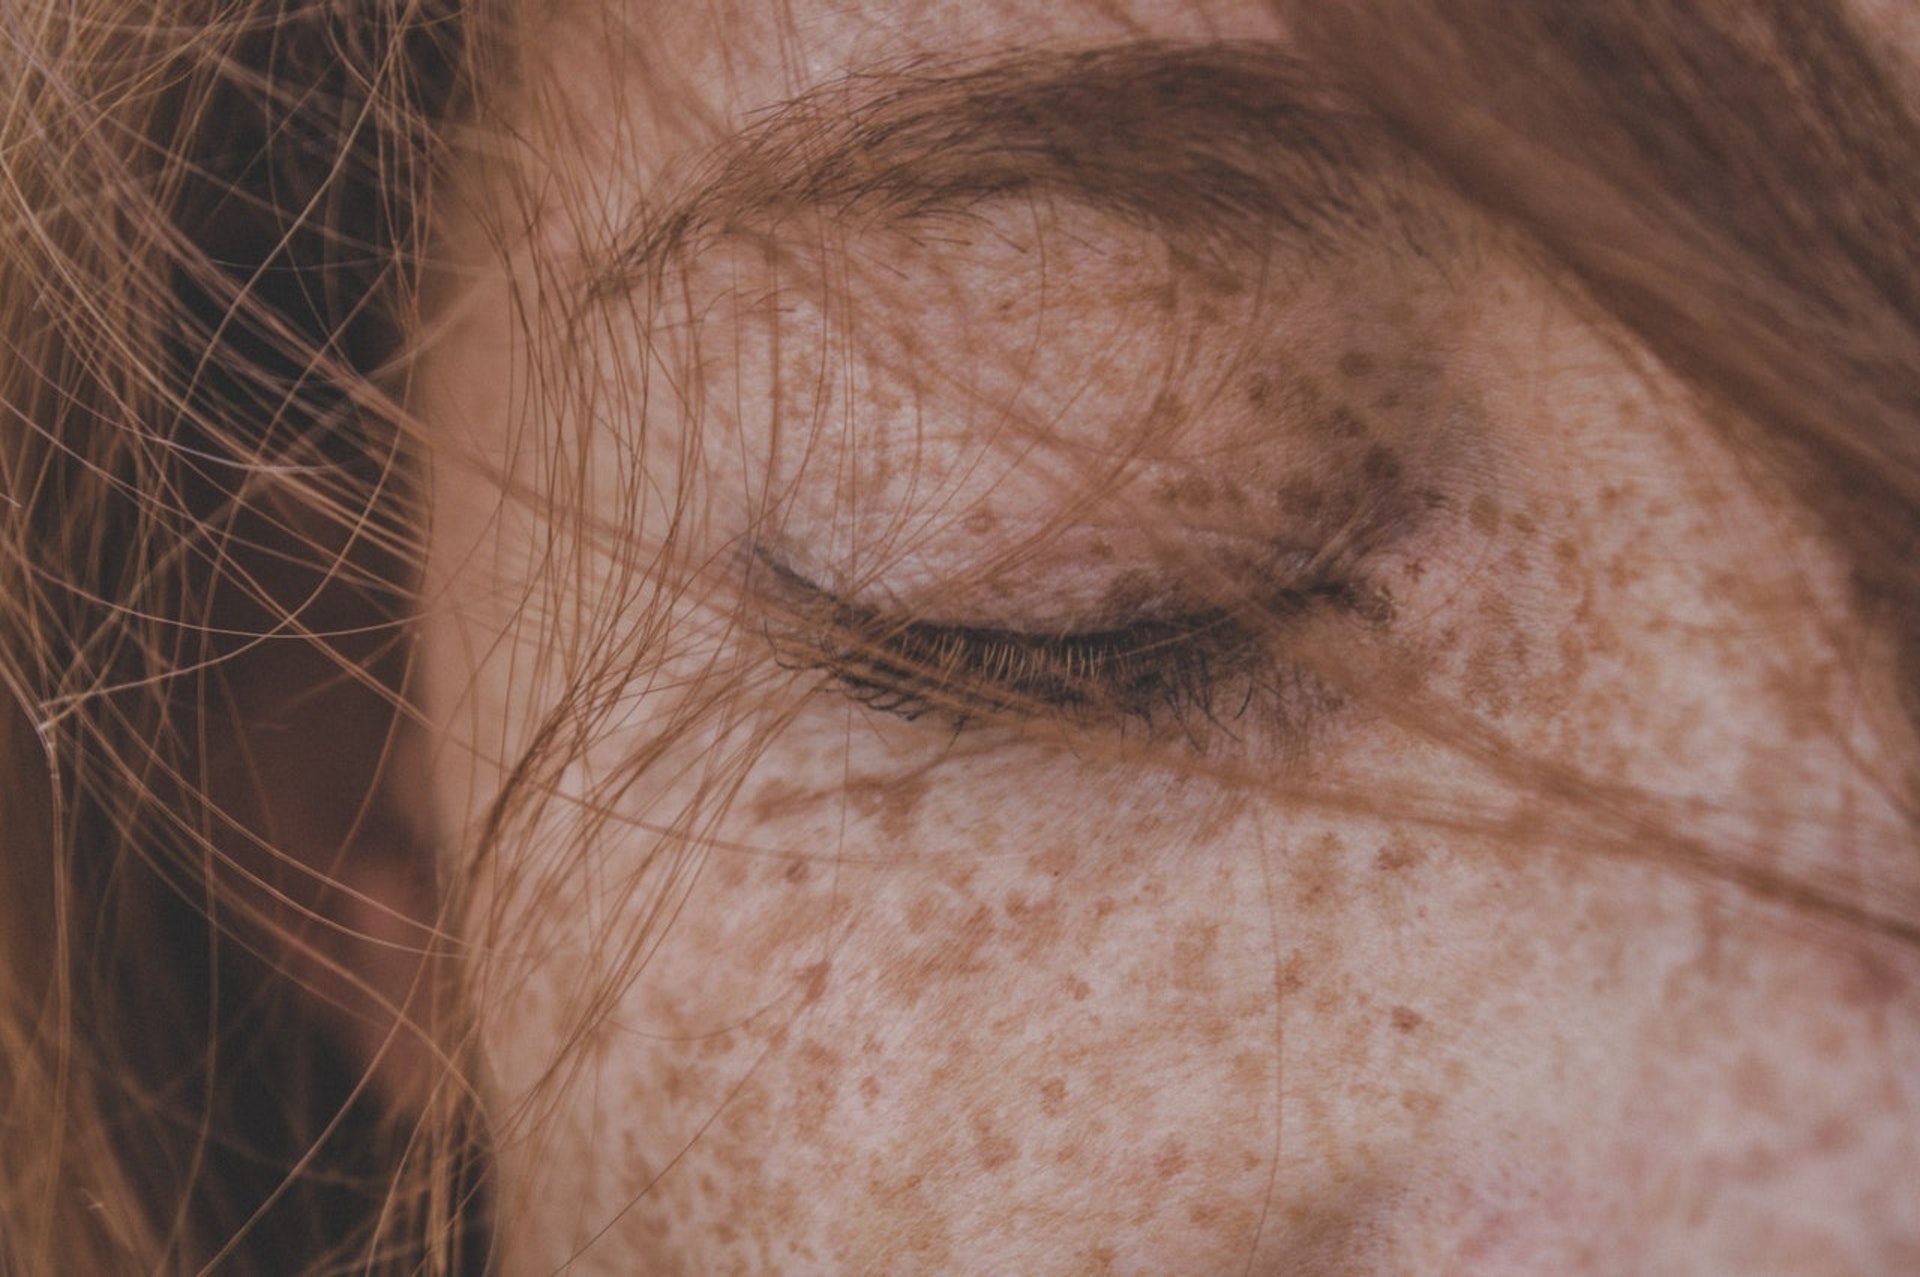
1212 668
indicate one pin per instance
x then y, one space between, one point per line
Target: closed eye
1209 666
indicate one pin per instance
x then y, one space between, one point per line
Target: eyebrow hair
1229 140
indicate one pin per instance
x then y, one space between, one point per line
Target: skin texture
1453 949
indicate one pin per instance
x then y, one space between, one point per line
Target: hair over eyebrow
1231 140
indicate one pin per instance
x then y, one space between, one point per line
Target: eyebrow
1228 140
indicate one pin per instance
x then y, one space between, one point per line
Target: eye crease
1209 666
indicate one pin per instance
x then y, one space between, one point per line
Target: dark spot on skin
1484 514
1188 492
1100 552
1340 425
1355 364
993 1149
798 872
1290 977
1056 862
1171 1160
1317 870
891 802
1259 389
1077 989
923 913
1163 297
1406 1019
870 1087
1381 465
1303 500
980 522
1372 605
1396 856
777 799
1053 1096
1220 280
1168 409
1193 958
813 981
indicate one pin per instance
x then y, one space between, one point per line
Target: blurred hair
215 224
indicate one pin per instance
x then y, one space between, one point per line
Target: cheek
913 1015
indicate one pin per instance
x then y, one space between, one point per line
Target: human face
1422 914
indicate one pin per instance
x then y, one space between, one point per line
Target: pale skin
1406 966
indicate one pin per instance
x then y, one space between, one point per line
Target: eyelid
1208 664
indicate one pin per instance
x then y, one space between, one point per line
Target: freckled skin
772 981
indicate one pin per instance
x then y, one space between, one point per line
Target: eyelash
1208 667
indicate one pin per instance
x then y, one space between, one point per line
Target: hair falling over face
611 615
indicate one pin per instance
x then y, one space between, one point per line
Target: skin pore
1401 890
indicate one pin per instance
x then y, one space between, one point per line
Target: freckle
1190 492
1056 862
1396 855
814 981
1171 1161
1291 976
1222 282
1423 1106
870 1087
1077 989
891 801
1302 500
1259 389
1053 1096
980 522
1387 400
1100 552
1406 1019
1192 958
1356 363
1484 514
1340 424
1381 465
922 913
1167 409
993 1149
798 871
1524 524
1317 870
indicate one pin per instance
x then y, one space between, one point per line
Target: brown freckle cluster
1356 364
1187 492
